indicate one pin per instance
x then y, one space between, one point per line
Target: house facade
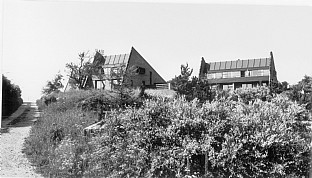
131 68
239 73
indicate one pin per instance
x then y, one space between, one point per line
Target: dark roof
239 64
112 60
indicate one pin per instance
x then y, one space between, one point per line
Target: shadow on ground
27 117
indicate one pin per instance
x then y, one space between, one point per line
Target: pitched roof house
239 73
113 67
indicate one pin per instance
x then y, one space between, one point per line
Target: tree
54 85
181 83
279 87
11 97
81 71
191 87
123 86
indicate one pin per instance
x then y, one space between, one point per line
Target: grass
59 131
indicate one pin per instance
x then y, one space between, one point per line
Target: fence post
169 86
188 166
206 163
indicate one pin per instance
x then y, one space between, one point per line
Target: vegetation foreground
243 133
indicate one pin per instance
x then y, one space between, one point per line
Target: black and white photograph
147 88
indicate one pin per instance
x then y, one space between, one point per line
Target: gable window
141 70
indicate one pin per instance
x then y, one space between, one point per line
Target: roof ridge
240 60
116 54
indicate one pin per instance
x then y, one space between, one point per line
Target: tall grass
50 130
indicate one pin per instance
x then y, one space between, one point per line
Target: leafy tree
280 87
181 82
191 87
302 92
54 85
81 71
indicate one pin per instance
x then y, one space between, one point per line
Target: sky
40 37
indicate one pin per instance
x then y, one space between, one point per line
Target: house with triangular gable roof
112 68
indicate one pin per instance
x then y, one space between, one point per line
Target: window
247 73
228 87
259 73
107 71
242 73
236 74
266 72
211 76
141 70
255 73
225 75
248 85
218 75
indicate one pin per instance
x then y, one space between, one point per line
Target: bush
11 97
58 134
239 134
260 139
244 95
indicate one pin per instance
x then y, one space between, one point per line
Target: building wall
150 77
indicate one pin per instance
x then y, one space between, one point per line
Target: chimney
271 54
203 68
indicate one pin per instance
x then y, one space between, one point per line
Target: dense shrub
244 95
260 139
238 134
11 97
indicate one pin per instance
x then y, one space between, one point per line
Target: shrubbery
11 97
262 139
244 133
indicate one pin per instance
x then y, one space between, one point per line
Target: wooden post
206 163
188 166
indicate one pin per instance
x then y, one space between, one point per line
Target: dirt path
13 163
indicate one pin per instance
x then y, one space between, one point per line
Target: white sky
39 38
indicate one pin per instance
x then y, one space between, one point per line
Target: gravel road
13 162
